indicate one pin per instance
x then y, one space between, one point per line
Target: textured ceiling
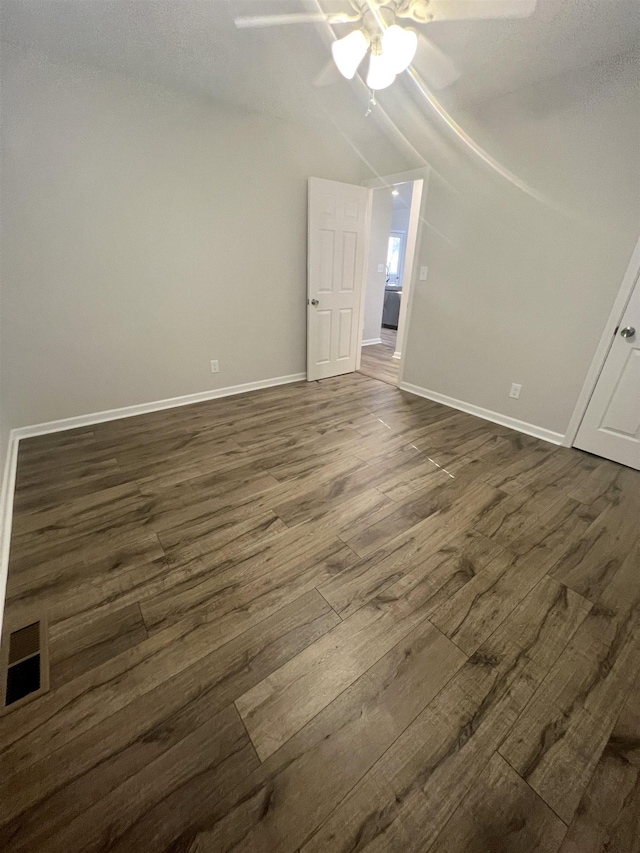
195 46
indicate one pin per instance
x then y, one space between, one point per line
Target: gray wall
519 289
400 219
145 233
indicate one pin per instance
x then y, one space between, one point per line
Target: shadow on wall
523 273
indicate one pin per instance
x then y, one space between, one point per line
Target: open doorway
394 216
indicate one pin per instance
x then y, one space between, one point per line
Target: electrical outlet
380 267
215 367
515 390
423 273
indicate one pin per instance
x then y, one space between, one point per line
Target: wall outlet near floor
515 390
215 367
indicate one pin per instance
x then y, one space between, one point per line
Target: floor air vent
25 664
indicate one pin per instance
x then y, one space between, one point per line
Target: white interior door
611 424
336 260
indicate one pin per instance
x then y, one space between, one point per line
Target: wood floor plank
439 498
602 480
284 461
544 466
501 814
119 507
404 552
64 484
91 645
323 495
456 431
557 742
408 796
217 755
480 606
590 564
75 448
608 817
89 601
347 515
465 460
433 579
528 506
310 474
233 484
83 575
377 360
279 568
280 705
282 802
187 542
84 511
104 552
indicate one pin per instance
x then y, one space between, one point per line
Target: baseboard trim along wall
486 414
371 342
7 489
155 406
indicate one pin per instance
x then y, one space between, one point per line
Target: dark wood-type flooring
377 360
324 617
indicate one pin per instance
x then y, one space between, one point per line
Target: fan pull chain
372 102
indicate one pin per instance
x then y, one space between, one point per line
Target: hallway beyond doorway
377 360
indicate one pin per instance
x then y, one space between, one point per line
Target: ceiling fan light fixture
380 74
399 47
348 52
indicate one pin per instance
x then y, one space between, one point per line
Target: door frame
619 306
365 275
420 177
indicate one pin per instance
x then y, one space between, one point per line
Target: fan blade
250 21
437 69
472 10
329 75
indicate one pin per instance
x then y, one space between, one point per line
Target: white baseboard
155 406
486 414
7 491
371 342
397 355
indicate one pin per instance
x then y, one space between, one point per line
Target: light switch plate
423 273
380 267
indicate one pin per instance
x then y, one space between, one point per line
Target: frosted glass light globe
380 73
348 52
399 47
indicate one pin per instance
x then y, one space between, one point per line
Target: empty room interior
320 426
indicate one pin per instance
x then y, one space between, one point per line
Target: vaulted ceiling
195 46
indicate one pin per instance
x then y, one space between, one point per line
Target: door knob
315 302
628 332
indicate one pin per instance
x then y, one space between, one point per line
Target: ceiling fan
393 47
